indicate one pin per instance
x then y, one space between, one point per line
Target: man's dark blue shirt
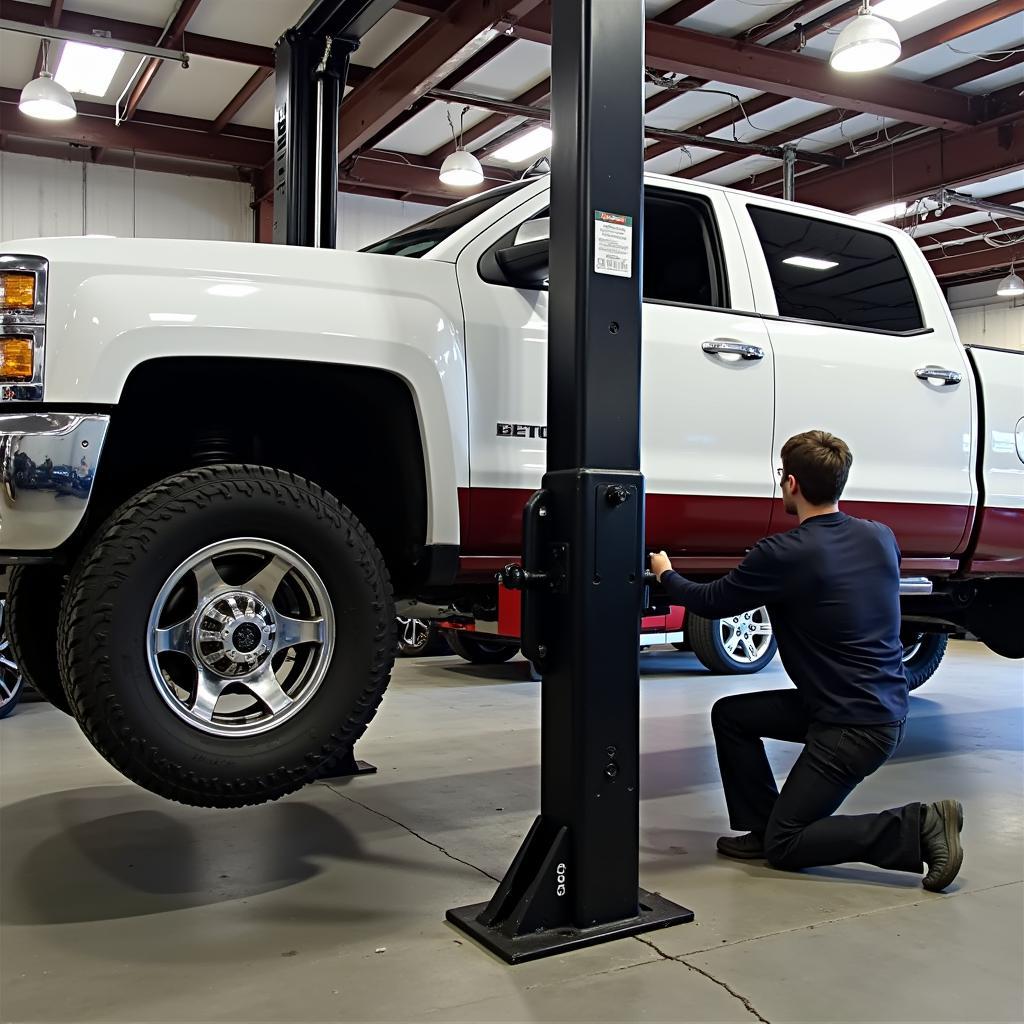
831 587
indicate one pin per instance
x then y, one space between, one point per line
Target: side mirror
524 263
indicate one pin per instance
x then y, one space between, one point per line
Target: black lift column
574 881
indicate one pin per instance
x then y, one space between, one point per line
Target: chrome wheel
912 647
240 636
413 633
746 637
10 674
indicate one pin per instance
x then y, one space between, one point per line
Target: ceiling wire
989 55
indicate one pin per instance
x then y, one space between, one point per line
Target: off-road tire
103 634
480 652
33 609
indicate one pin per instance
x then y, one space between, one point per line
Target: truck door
856 338
707 383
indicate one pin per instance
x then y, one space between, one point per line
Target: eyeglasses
779 472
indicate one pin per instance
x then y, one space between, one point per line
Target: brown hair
821 463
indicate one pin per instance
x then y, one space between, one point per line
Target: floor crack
853 917
747 1004
411 831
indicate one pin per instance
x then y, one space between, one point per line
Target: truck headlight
22 327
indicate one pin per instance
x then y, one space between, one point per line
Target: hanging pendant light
1011 285
46 99
460 169
866 44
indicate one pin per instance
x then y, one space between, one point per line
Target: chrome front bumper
48 463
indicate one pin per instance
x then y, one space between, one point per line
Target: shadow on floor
114 852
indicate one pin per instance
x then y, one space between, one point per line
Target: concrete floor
329 905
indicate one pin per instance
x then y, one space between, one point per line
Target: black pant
796 824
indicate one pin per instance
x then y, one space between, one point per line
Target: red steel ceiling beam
131 32
1006 102
94 126
801 77
52 21
914 168
978 69
542 91
977 258
432 54
962 26
123 158
684 9
239 100
796 39
470 67
684 51
170 39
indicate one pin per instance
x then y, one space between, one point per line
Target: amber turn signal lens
16 354
17 290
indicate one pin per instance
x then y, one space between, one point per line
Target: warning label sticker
613 244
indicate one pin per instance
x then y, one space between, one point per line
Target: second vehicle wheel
33 608
418 638
922 655
11 681
736 645
226 633
481 652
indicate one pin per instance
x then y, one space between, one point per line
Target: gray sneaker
941 824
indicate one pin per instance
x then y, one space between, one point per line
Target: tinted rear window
867 284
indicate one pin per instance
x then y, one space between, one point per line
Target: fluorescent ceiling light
526 146
87 69
880 213
900 10
810 262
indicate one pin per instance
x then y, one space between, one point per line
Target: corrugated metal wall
43 196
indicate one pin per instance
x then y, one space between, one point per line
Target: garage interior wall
366 219
984 319
44 196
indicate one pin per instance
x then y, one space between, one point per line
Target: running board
917 585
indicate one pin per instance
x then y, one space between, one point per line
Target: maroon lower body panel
711 534
1000 545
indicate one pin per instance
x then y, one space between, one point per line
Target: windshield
418 240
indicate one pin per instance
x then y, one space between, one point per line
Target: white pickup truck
223 464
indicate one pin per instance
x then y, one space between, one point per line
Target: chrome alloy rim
10 674
240 637
414 633
746 637
911 648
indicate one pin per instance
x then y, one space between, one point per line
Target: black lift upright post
574 881
311 66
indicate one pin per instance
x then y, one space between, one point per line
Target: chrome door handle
729 347
947 378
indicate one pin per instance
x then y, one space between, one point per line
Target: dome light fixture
46 99
461 170
1011 285
866 44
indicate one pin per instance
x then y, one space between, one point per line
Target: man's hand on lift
660 564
